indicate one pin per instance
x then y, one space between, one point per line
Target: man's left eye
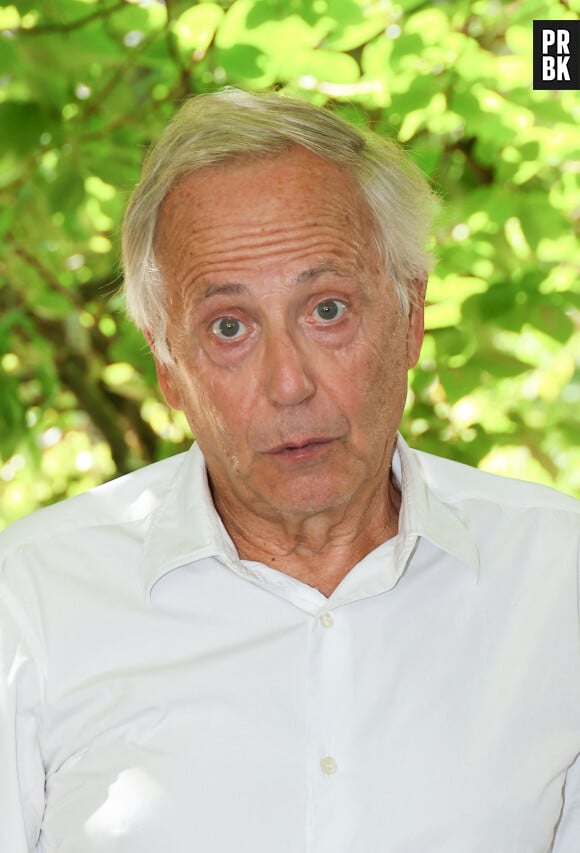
330 309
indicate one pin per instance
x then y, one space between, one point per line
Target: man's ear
416 328
165 376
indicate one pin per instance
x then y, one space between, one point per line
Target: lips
301 447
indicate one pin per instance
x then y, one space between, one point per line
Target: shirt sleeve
567 837
22 777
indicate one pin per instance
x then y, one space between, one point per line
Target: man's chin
267 492
307 498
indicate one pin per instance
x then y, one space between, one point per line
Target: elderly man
300 635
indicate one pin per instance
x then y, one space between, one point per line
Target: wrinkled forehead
290 193
269 217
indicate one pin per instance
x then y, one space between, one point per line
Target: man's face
290 351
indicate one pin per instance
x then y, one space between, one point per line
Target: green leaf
550 320
12 416
22 126
244 63
431 24
355 26
67 192
321 65
268 26
196 28
137 19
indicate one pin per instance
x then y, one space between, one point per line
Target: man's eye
228 328
330 309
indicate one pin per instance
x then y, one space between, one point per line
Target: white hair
212 129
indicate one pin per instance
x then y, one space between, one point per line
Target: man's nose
287 370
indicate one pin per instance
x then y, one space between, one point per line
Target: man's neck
318 549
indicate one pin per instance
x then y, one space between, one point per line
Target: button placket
331 697
328 763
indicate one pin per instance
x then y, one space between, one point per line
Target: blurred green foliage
87 85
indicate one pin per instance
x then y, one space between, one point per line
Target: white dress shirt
158 694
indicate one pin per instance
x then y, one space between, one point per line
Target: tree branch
44 29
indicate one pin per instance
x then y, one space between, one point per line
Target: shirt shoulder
456 483
524 531
117 503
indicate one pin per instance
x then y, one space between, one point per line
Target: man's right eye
228 328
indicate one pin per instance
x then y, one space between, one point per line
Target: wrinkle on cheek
204 416
386 369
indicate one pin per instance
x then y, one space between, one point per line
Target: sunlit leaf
196 27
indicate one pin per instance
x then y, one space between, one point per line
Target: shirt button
328 765
327 620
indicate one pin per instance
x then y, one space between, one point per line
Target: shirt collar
424 514
186 526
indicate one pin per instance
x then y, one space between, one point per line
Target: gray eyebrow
228 287
314 272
